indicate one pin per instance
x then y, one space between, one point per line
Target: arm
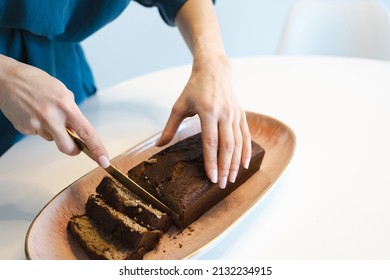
209 93
36 103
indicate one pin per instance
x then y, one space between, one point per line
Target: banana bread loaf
177 177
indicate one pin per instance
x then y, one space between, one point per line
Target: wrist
12 78
9 67
210 57
5 66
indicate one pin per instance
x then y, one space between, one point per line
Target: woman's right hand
37 103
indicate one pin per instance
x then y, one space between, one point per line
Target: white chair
338 28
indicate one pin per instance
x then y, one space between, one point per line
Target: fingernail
222 182
104 162
214 176
246 163
233 176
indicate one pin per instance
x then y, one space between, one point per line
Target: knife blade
125 180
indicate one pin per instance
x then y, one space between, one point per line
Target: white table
332 202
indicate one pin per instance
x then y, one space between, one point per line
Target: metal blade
138 190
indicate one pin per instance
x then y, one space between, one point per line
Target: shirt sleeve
167 8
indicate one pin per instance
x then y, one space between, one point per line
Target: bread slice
124 229
124 201
97 244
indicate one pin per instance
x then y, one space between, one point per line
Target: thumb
171 127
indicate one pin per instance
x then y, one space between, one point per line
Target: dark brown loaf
97 244
177 177
124 229
128 203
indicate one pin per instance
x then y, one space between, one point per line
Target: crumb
180 245
151 160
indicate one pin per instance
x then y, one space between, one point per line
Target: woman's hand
37 103
225 134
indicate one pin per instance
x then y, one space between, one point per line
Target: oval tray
47 237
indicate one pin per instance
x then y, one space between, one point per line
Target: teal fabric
47 35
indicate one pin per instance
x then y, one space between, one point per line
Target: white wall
138 41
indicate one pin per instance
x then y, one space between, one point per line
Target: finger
236 157
52 128
87 133
64 142
46 135
246 143
36 128
210 147
225 152
175 119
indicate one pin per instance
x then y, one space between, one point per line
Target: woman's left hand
225 133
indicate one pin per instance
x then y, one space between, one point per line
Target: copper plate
47 237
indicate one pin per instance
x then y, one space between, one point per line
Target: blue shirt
47 35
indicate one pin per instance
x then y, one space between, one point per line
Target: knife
126 180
